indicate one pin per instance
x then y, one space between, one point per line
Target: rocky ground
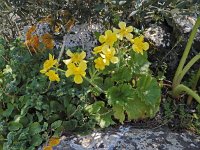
129 138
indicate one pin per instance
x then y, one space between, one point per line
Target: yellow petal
129 29
68 73
69 53
112 49
120 36
122 25
114 60
78 79
141 38
83 65
67 61
82 55
53 141
129 36
145 46
115 30
108 33
50 56
43 71
47 148
101 38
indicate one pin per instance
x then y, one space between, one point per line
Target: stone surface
127 138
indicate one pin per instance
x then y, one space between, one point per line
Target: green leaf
70 125
95 107
104 118
56 106
56 124
136 109
123 74
70 109
34 128
14 126
119 94
9 110
119 113
36 140
139 63
108 83
149 90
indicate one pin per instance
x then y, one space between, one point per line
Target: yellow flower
77 71
109 38
139 45
48 41
98 49
75 57
53 141
123 31
52 75
48 64
99 63
108 55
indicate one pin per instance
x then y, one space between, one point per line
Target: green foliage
33 109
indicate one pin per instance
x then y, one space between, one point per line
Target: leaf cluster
32 108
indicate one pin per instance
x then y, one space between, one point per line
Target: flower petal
69 53
145 46
129 29
82 55
122 25
78 79
68 73
67 61
101 38
114 60
129 36
115 30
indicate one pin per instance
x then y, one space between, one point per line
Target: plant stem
185 53
194 84
188 66
93 84
62 49
182 88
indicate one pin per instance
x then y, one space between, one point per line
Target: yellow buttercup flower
77 71
108 55
139 45
53 76
49 64
75 57
99 63
98 49
109 38
123 31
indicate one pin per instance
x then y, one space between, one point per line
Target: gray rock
158 35
127 138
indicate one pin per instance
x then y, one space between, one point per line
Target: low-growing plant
120 74
32 110
177 87
113 85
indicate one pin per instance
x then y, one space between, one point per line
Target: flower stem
182 88
93 84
